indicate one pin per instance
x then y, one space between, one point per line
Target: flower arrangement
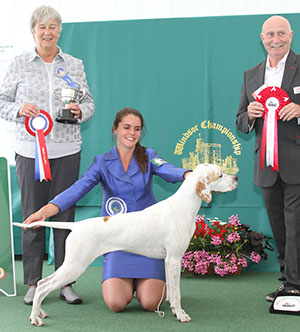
223 246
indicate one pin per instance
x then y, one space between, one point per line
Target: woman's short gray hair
43 14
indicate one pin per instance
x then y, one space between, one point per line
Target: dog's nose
236 178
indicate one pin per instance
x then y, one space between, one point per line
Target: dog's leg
41 292
77 258
65 275
167 284
173 268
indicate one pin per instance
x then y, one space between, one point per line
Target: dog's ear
203 191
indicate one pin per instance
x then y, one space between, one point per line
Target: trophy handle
81 94
57 93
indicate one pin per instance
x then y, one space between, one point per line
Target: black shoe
271 296
289 289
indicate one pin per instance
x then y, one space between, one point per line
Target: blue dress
123 192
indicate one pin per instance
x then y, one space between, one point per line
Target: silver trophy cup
67 96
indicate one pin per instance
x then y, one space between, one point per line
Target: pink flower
255 257
234 221
242 261
200 217
216 241
222 246
214 258
233 259
232 237
233 268
202 267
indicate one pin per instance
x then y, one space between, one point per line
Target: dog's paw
173 311
43 314
36 321
183 317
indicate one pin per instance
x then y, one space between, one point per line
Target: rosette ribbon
61 73
273 99
40 127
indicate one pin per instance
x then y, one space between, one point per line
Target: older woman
28 87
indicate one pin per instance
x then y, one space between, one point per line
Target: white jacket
28 80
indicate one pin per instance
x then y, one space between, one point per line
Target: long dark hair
140 151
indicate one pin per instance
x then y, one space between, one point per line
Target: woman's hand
28 110
75 109
186 174
42 214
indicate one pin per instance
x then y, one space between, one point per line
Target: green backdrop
185 76
7 268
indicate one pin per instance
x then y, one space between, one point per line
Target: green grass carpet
231 303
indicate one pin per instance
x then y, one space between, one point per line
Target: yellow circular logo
60 72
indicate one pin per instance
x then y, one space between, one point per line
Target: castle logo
205 152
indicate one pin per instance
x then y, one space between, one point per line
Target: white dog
163 230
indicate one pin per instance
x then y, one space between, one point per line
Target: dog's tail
55 224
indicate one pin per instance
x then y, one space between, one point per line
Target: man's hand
289 112
255 111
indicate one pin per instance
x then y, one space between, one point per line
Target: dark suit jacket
288 131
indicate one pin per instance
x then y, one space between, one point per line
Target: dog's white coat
163 230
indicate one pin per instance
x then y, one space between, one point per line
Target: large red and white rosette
273 99
40 127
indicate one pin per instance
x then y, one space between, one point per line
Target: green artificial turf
230 303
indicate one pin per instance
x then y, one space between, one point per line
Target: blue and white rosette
115 205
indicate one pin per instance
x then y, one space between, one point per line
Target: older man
281 190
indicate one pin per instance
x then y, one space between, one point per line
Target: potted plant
223 247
